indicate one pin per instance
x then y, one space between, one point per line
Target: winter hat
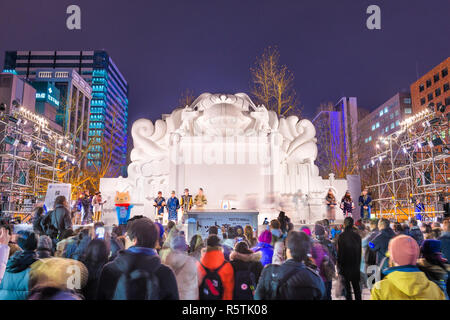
306 230
404 250
161 230
242 247
265 237
430 247
213 241
27 240
178 243
45 243
319 230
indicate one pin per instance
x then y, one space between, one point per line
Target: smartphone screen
100 232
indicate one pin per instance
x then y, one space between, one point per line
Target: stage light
73 161
64 158
404 150
373 162
419 145
42 148
380 158
60 141
377 145
67 145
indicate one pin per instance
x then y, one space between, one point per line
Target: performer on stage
159 204
172 206
331 203
347 204
419 209
200 199
185 203
365 202
97 204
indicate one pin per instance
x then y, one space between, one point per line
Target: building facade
109 105
432 88
336 127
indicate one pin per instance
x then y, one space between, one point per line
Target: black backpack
244 284
138 284
211 287
47 226
278 283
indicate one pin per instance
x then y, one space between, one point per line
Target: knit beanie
430 247
178 243
265 237
45 243
306 230
404 250
27 240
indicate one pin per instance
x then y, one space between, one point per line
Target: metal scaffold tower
412 163
30 158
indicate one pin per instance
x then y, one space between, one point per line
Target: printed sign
54 190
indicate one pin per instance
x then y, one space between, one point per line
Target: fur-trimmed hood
255 256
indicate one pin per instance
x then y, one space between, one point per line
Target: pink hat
265 237
404 250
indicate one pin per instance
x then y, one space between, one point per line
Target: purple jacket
318 253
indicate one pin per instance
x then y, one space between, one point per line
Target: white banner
54 190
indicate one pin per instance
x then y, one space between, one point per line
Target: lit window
377 125
407 100
385 109
392 125
408 110
373 127
397 123
381 113
370 138
397 112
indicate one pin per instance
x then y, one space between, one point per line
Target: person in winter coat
184 267
369 257
433 265
249 237
331 202
61 218
247 269
445 239
347 205
45 247
14 285
275 229
284 221
213 259
95 258
195 247
365 202
265 238
4 251
66 238
140 254
37 216
349 259
279 249
415 232
381 242
404 280
293 280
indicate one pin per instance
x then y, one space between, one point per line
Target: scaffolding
30 158
412 163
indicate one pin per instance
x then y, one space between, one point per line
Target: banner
54 190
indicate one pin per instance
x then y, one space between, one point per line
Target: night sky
164 47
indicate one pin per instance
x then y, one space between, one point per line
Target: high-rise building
109 104
432 88
336 127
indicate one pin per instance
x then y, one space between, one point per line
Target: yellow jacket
406 283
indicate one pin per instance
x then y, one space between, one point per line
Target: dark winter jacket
294 280
61 218
436 273
416 234
445 245
127 261
380 243
349 254
251 262
14 285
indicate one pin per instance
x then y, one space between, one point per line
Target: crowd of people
146 260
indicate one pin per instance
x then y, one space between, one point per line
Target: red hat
404 250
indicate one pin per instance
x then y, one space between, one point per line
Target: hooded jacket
213 259
416 234
406 283
127 261
4 256
61 218
251 261
14 285
349 254
380 243
435 273
185 269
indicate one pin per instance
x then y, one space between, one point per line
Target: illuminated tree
273 84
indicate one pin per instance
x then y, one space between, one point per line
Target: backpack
278 285
244 284
47 226
211 287
137 284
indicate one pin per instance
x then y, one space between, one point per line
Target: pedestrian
365 203
264 245
45 247
184 267
97 205
14 285
435 267
275 229
324 254
284 221
137 272
330 201
60 218
247 268
404 280
292 280
349 259
445 239
228 242
369 257
249 236
215 274
195 247
37 219
415 232
380 243
347 204
95 258
398 228
86 202
173 204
